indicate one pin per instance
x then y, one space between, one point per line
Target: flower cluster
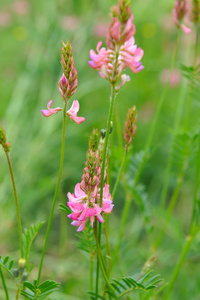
180 11
68 82
86 205
85 202
6 145
121 50
67 85
130 126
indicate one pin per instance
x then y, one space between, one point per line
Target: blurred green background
31 35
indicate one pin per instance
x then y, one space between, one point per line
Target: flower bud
130 127
15 273
24 276
22 263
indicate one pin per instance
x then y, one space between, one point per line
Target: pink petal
74 108
78 120
185 29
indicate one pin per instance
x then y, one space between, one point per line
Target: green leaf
6 265
65 208
29 236
39 292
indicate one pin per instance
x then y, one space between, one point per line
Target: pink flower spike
72 112
50 111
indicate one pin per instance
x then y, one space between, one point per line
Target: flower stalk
56 192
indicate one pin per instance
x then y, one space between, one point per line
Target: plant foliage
29 236
7 264
39 292
128 284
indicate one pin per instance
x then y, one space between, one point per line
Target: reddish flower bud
130 126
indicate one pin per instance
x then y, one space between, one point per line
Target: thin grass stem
16 205
101 263
119 173
56 191
4 285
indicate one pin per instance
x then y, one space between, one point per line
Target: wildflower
68 82
121 50
180 11
86 205
50 111
72 112
130 127
67 85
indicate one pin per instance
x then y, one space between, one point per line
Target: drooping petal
50 111
72 112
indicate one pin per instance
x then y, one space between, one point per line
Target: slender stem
119 173
17 294
178 266
16 205
111 107
4 285
91 269
107 245
101 264
56 191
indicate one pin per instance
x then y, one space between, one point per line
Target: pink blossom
130 56
72 112
101 58
119 33
50 111
86 206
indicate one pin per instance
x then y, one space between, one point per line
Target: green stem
4 285
56 191
101 264
91 270
178 266
111 107
160 105
17 294
16 205
107 244
119 173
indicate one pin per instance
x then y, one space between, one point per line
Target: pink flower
130 56
72 112
101 58
50 111
119 33
86 206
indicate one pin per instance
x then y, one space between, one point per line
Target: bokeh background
31 35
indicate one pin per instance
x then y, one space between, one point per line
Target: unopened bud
24 276
21 263
15 272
